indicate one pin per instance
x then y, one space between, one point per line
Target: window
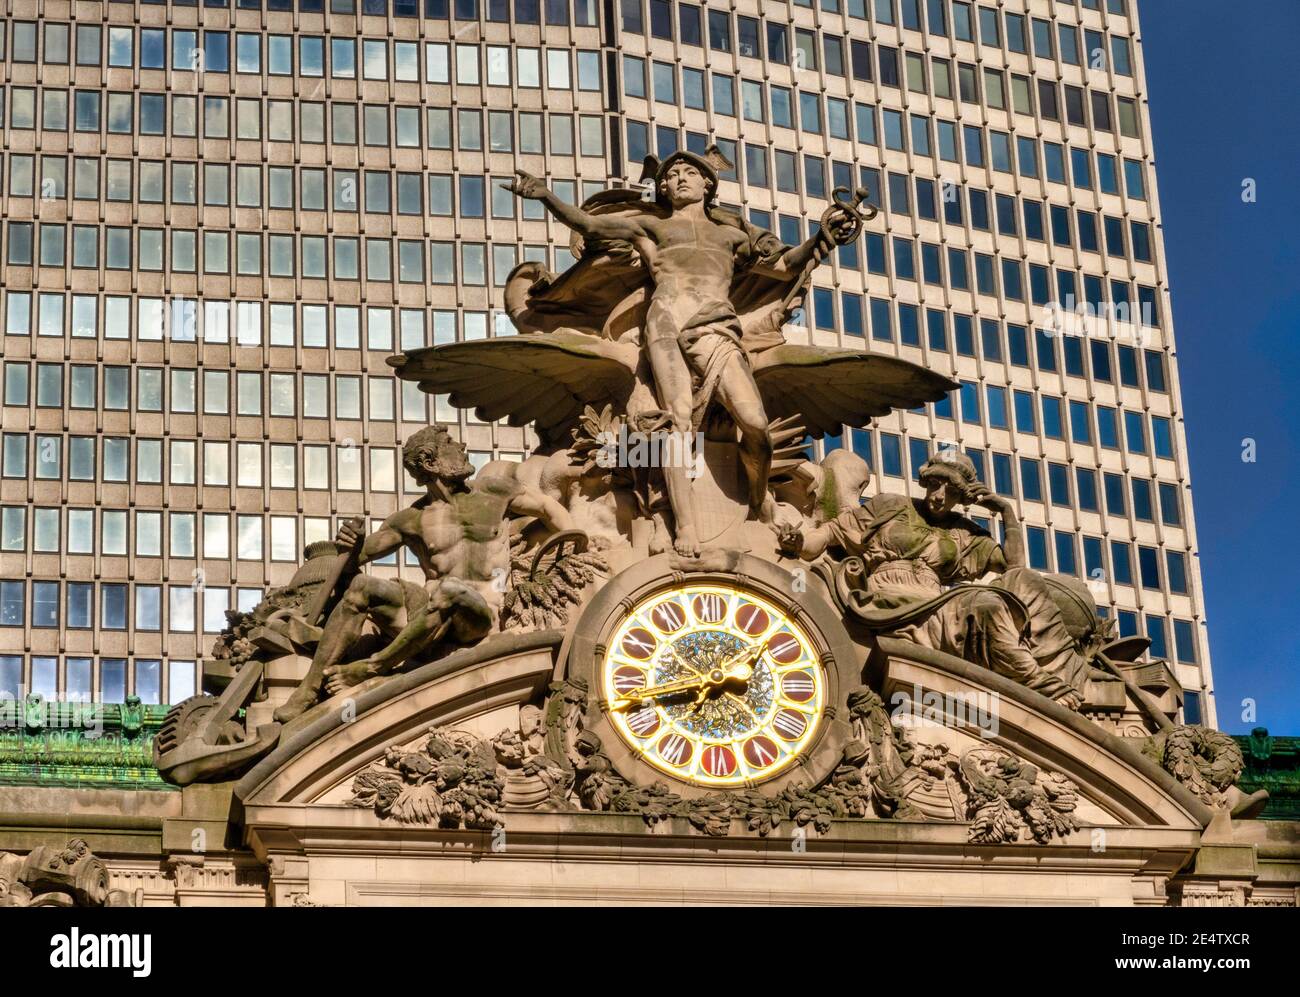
1135 432
1185 643
996 401
13 528
891 455
1085 483
1015 24
962 24
1176 572
11 674
1170 510
1142 506
112 606
1121 562
112 680
860 58
1128 121
16 384
719 31
13 605
1149 567
1120 55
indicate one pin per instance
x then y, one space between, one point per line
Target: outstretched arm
531 502
587 225
383 541
841 227
807 543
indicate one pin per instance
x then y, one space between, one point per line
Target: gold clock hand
735 669
749 654
753 652
654 691
737 666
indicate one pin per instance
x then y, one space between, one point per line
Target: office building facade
219 220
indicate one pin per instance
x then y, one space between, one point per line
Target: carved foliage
54 877
1208 762
1000 795
599 787
454 779
449 780
1007 796
541 594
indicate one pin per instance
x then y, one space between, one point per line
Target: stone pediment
480 693
471 689
671 634
1124 786
306 814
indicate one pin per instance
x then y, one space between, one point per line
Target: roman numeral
668 616
644 721
639 643
760 752
784 648
709 608
789 724
675 749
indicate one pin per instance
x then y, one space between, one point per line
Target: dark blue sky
1221 81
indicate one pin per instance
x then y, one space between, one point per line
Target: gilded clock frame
840 659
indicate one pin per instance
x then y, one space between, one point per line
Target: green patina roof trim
1272 763
83 745
110 746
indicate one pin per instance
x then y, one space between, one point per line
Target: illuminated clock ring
713 683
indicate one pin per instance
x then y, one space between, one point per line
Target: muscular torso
692 260
467 538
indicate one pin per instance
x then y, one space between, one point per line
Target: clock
714 684
717 680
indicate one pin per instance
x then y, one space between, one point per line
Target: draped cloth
920 582
709 339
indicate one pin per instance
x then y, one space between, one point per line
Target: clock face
713 684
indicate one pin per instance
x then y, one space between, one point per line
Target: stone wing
603 293
826 388
547 378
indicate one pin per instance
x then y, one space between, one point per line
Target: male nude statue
692 330
460 534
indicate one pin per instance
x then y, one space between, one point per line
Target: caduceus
841 223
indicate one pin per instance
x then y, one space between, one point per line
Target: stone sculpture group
673 325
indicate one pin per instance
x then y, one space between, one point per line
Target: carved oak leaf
711 814
658 802
369 786
597 791
765 813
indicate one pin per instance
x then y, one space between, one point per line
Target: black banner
153 945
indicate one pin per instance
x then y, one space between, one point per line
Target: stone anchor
202 740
